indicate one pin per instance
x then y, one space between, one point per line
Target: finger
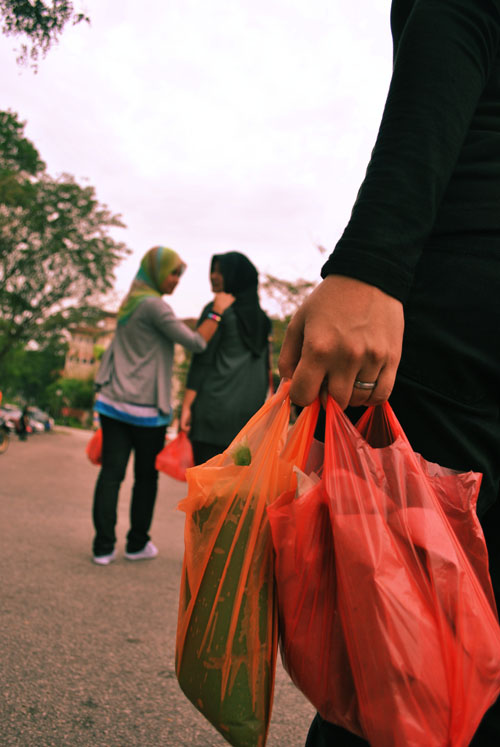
324 366
382 392
290 350
307 381
363 389
385 385
340 386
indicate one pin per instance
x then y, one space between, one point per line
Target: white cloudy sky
213 126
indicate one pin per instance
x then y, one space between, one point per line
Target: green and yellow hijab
156 265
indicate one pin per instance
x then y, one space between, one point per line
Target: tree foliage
56 255
76 394
288 296
39 23
27 374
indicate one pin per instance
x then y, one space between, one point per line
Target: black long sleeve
434 175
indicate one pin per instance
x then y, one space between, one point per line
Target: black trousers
447 399
119 439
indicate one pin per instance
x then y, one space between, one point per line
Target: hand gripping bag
387 619
176 457
227 627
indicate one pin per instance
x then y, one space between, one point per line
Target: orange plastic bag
227 629
413 642
176 457
94 447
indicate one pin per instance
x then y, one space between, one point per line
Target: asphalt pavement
87 652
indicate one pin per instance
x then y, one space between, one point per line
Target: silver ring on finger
369 385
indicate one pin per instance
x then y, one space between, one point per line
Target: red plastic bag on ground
410 642
176 457
227 629
94 447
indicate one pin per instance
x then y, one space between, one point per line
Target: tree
288 295
41 23
27 374
57 258
66 395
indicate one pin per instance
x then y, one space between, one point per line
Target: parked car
40 420
36 426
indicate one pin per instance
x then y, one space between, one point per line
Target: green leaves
38 22
56 255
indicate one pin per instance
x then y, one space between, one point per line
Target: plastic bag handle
301 435
379 426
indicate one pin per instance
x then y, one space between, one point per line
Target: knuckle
319 350
376 355
324 349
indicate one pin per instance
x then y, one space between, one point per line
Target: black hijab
241 279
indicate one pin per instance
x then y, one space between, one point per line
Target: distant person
23 424
134 385
228 382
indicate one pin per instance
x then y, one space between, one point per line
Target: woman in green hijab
134 398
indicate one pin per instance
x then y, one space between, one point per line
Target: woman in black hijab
228 382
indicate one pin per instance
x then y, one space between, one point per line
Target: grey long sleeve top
137 367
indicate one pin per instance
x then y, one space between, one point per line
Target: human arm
185 419
208 326
162 318
351 326
445 54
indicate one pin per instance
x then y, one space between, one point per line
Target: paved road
87 652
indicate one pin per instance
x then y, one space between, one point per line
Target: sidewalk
88 652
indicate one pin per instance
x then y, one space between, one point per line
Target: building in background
86 345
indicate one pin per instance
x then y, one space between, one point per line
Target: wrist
214 316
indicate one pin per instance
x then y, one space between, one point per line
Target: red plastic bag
227 634
408 610
312 642
176 457
94 447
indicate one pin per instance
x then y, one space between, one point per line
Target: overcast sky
213 126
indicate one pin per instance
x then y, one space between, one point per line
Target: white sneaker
148 552
105 559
